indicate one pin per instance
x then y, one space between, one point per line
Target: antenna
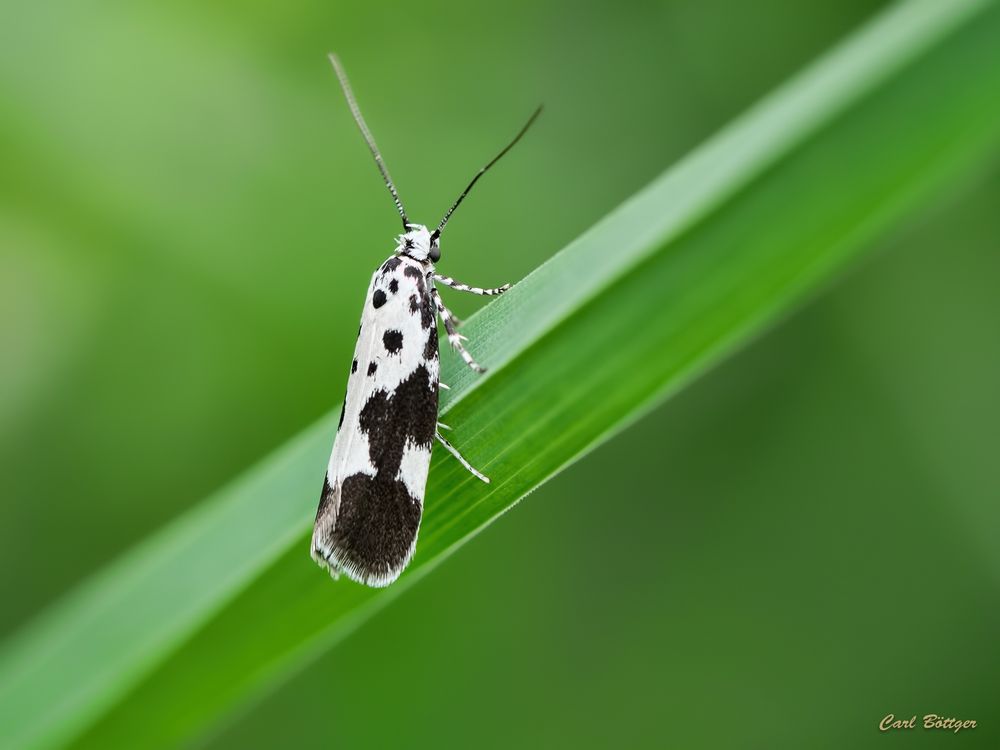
345 84
481 172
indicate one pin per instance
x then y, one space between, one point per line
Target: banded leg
448 281
454 451
454 337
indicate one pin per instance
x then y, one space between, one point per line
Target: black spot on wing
372 367
414 303
378 299
391 265
393 341
394 286
354 367
431 347
343 408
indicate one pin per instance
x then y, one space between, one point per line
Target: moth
373 494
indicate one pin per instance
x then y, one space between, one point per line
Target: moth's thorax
418 243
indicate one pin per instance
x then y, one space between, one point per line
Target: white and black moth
373 494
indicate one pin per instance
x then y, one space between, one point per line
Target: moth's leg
443 426
454 451
454 337
448 281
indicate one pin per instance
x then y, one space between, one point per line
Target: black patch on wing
422 300
389 420
417 275
392 340
354 367
394 286
391 265
431 347
378 518
427 310
376 525
378 299
372 367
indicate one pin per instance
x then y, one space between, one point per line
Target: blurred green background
799 544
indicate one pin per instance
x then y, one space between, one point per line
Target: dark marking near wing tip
378 518
394 286
372 368
354 367
431 347
376 525
414 303
393 341
391 265
378 299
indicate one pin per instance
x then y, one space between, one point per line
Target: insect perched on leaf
373 495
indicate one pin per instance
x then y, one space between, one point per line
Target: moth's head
419 243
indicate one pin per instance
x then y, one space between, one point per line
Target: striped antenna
437 232
345 84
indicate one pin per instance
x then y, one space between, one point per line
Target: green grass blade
225 601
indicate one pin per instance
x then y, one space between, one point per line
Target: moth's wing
372 501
